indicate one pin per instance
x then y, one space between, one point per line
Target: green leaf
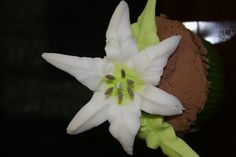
153 140
161 134
144 30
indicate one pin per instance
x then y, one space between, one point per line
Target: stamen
130 91
122 71
120 96
130 82
109 91
110 77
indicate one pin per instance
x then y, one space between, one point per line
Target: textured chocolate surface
185 75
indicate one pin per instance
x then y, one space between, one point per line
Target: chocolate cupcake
185 74
194 74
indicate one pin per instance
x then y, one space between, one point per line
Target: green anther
110 77
122 71
130 91
120 96
130 82
109 91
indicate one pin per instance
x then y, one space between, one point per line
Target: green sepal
144 30
158 133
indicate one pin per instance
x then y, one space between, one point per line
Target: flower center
122 84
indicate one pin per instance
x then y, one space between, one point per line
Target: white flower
123 82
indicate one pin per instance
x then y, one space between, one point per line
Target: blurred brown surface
38 101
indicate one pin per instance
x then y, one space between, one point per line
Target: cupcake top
185 75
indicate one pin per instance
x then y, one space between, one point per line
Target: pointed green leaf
144 30
159 133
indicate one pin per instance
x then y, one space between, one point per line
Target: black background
38 101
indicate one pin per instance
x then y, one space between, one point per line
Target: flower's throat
122 84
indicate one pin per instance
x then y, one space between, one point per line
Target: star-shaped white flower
123 82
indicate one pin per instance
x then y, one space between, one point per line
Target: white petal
153 59
157 101
125 122
120 45
91 115
89 71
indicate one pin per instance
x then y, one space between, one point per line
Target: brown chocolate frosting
185 75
